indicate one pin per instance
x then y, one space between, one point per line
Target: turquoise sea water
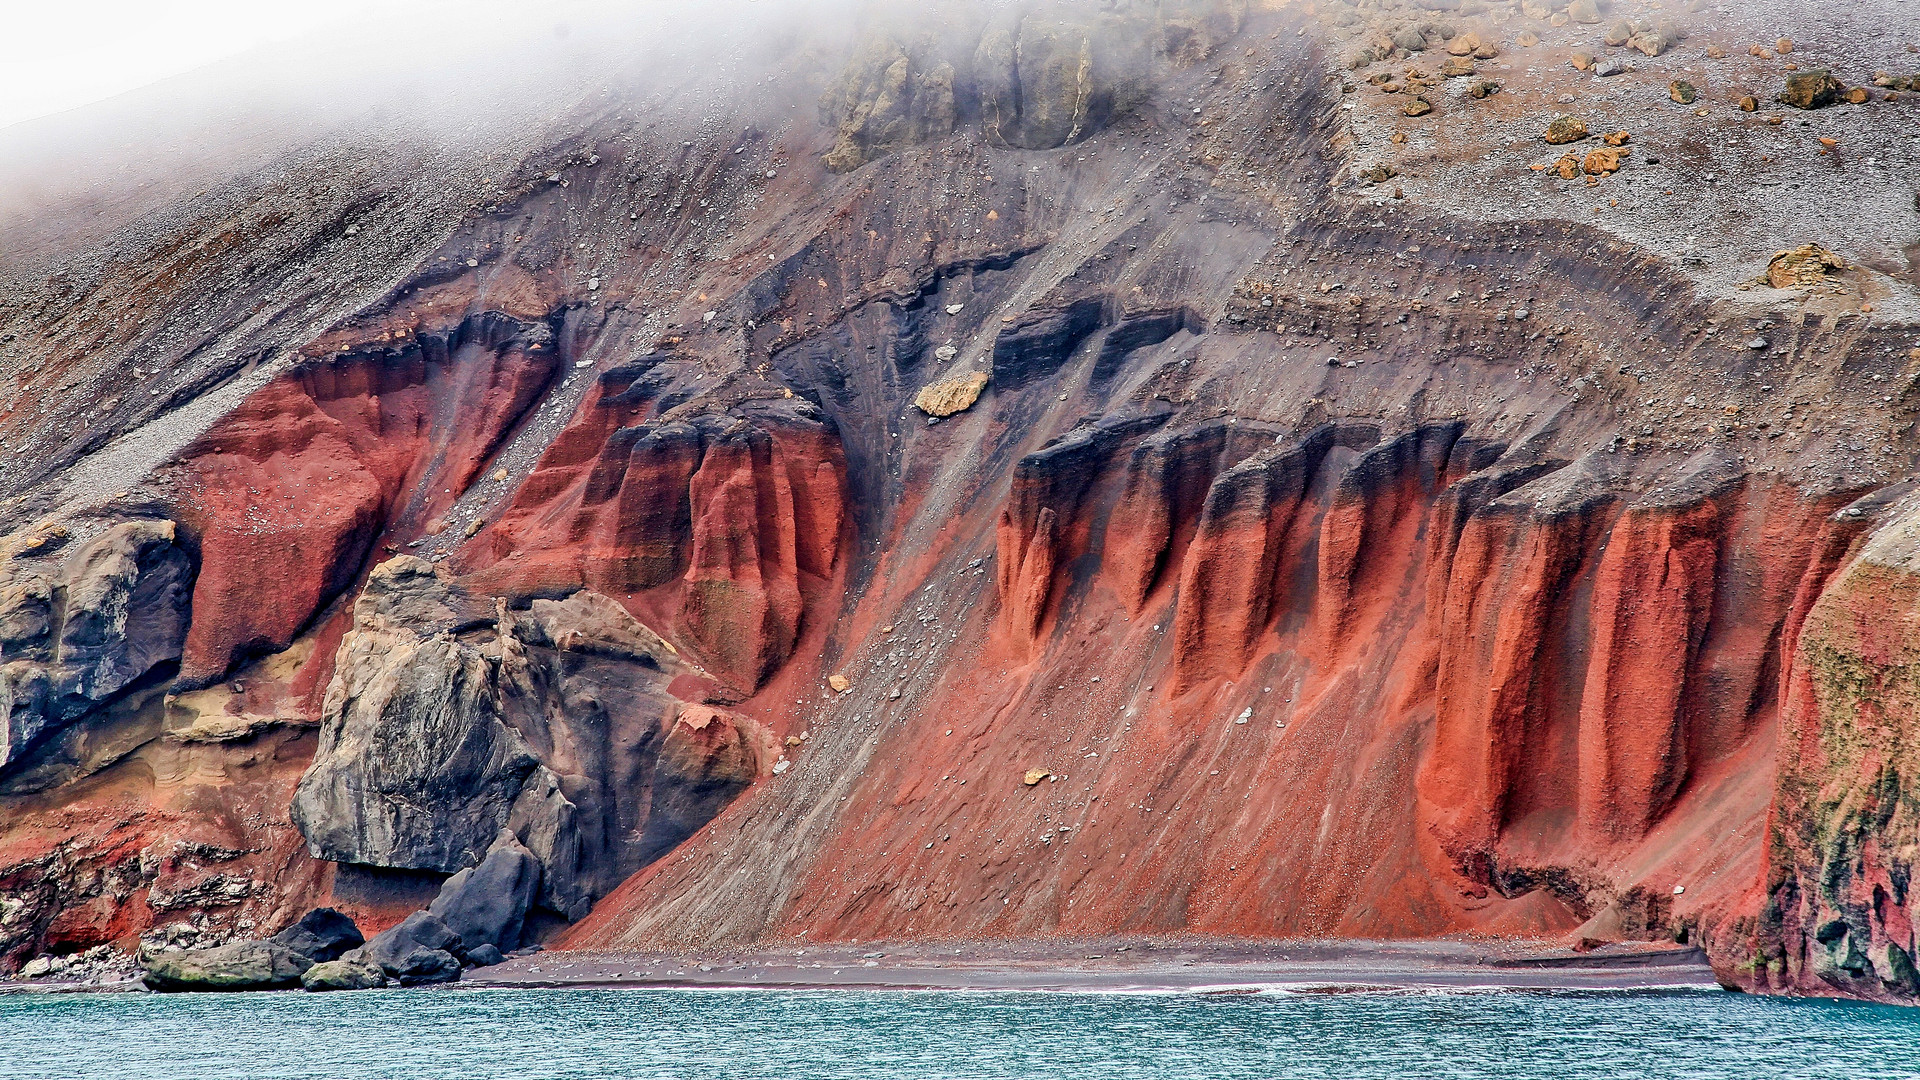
538 1034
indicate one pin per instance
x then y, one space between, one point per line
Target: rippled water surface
527 1034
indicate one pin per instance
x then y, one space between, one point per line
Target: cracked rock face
453 721
113 613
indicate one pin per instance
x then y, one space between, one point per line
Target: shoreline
1131 965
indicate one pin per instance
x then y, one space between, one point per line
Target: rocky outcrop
113 614
890 97
242 965
1841 840
454 722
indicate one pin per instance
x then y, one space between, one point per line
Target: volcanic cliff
1314 521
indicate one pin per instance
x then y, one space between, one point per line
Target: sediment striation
1047 489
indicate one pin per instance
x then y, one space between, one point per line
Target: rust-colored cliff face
1344 567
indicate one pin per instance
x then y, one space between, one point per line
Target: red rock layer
286 496
722 528
1347 685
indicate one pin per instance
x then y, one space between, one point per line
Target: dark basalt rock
114 614
418 949
488 904
321 935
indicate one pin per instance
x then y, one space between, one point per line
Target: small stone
499 474
1483 89
1566 129
1857 95
1581 61
1757 343
1749 104
1527 39
1682 92
1603 161
1715 52
955 309
1616 138
1034 776
781 766
1456 66
1610 67
1568 167
1398 138
1783 46
1619 33
840 683
1417 106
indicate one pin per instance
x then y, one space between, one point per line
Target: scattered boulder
1378 174
418 949
1610 67
1409 39
950 396
1857 95
1417 106
1526 39
1682 92
1810 89
1617 138
343 975
1801 267
488 904
1654 41
1484 88
240 965
1619 33
1456 67
1584 11
322 935
1568 167
485 955
1464 44
1581 61
1566 129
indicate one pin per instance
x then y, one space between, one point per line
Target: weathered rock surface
343 975
113 613
418 949
321 935
451 718
488 904
242 965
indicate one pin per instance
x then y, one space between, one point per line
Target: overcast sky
60 54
